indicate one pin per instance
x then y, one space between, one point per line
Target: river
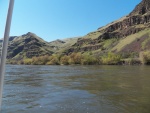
76 89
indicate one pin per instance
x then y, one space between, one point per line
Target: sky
60 19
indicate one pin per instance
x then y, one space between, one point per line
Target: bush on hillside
145 57
64 60
88 60
111 59
53 60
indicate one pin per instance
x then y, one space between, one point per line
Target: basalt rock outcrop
136 21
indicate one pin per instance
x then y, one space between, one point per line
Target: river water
76 89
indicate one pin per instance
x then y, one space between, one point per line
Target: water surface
76 89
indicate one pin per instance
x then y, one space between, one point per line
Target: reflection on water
76 89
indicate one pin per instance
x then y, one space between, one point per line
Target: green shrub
41 60
64 60
145 57
53 60
111 59
77 59
27 61
88 60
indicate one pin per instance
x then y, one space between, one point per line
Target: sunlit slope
134 43
127 34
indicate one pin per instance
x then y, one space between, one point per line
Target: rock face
136 21
130 24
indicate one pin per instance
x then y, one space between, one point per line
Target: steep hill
27 46
127 37
30 45
108 38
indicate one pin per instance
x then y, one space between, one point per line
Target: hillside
107 38
64 44
115 43
30 45
27 46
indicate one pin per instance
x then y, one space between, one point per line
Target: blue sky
59 19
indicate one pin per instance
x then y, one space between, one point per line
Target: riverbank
85 59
